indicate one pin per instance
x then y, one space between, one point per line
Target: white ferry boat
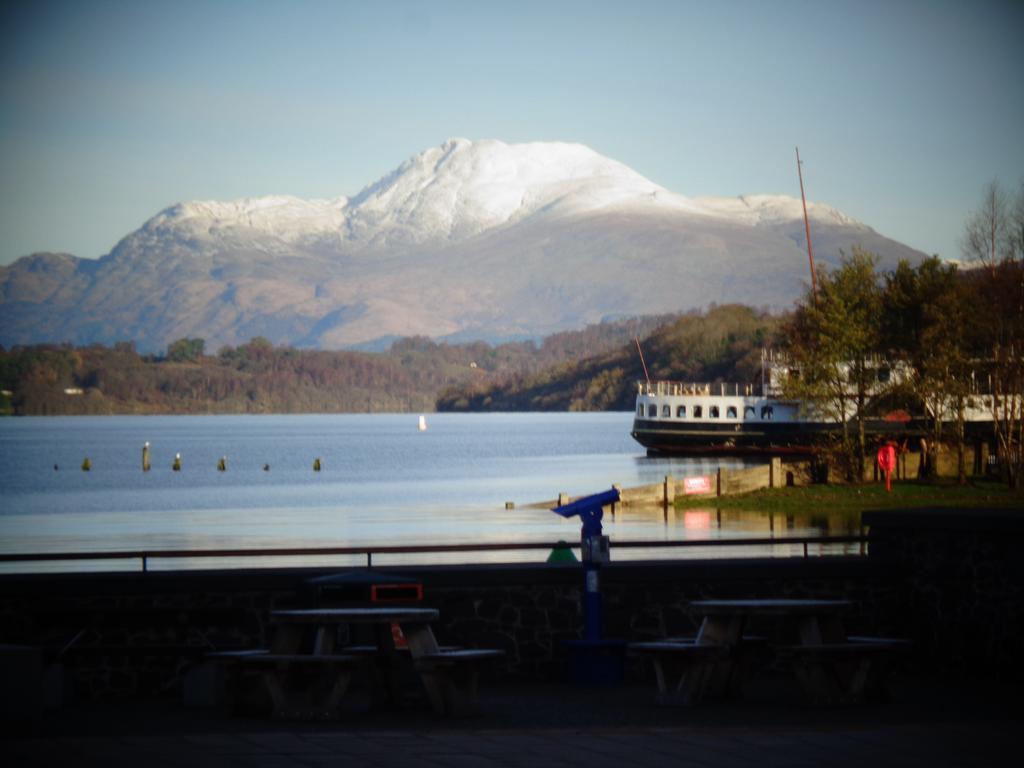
674 418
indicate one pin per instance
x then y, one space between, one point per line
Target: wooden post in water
145 457
176 466
86 464
222 465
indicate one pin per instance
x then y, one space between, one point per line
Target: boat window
697 411
666 411
681 412
652 411
640 410
713 411
767 412
748 412
730 412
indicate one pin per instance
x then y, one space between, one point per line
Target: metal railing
144 556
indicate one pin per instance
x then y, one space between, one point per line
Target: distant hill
469 240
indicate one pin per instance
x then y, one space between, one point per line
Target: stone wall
141 632
960 579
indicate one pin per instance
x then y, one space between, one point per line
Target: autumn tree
832 341
185 350
998 309
925 329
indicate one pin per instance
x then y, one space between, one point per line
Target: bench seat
680 648
240 654
373 650
299 658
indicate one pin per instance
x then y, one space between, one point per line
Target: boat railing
715 388
794 546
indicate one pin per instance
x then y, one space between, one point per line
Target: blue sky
111 111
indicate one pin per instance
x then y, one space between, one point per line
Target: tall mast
807 229
646 375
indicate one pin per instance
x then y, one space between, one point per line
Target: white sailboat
423 423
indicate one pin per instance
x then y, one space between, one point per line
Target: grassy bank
856 498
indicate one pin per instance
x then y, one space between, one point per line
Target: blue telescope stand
594 551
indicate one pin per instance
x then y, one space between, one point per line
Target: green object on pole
562 553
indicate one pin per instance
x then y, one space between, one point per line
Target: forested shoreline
257 377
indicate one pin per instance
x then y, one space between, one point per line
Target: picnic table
309 679
808 636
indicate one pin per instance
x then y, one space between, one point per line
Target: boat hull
795 438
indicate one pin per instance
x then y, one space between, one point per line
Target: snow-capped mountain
472 239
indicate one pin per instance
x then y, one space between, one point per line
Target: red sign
697 484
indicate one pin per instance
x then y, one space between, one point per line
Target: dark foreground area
948 581
928 722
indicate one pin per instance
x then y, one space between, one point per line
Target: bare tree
987 235
1017 225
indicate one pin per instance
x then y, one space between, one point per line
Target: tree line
947 340
954 335
257 377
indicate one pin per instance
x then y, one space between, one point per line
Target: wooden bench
845 672
682 667
451 677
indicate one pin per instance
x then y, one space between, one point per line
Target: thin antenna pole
807 229
646 376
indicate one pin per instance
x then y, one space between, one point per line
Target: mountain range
469 240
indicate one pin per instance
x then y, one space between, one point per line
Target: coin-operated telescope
594 550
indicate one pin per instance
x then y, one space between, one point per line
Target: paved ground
928 723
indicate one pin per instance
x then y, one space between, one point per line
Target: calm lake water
382 482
